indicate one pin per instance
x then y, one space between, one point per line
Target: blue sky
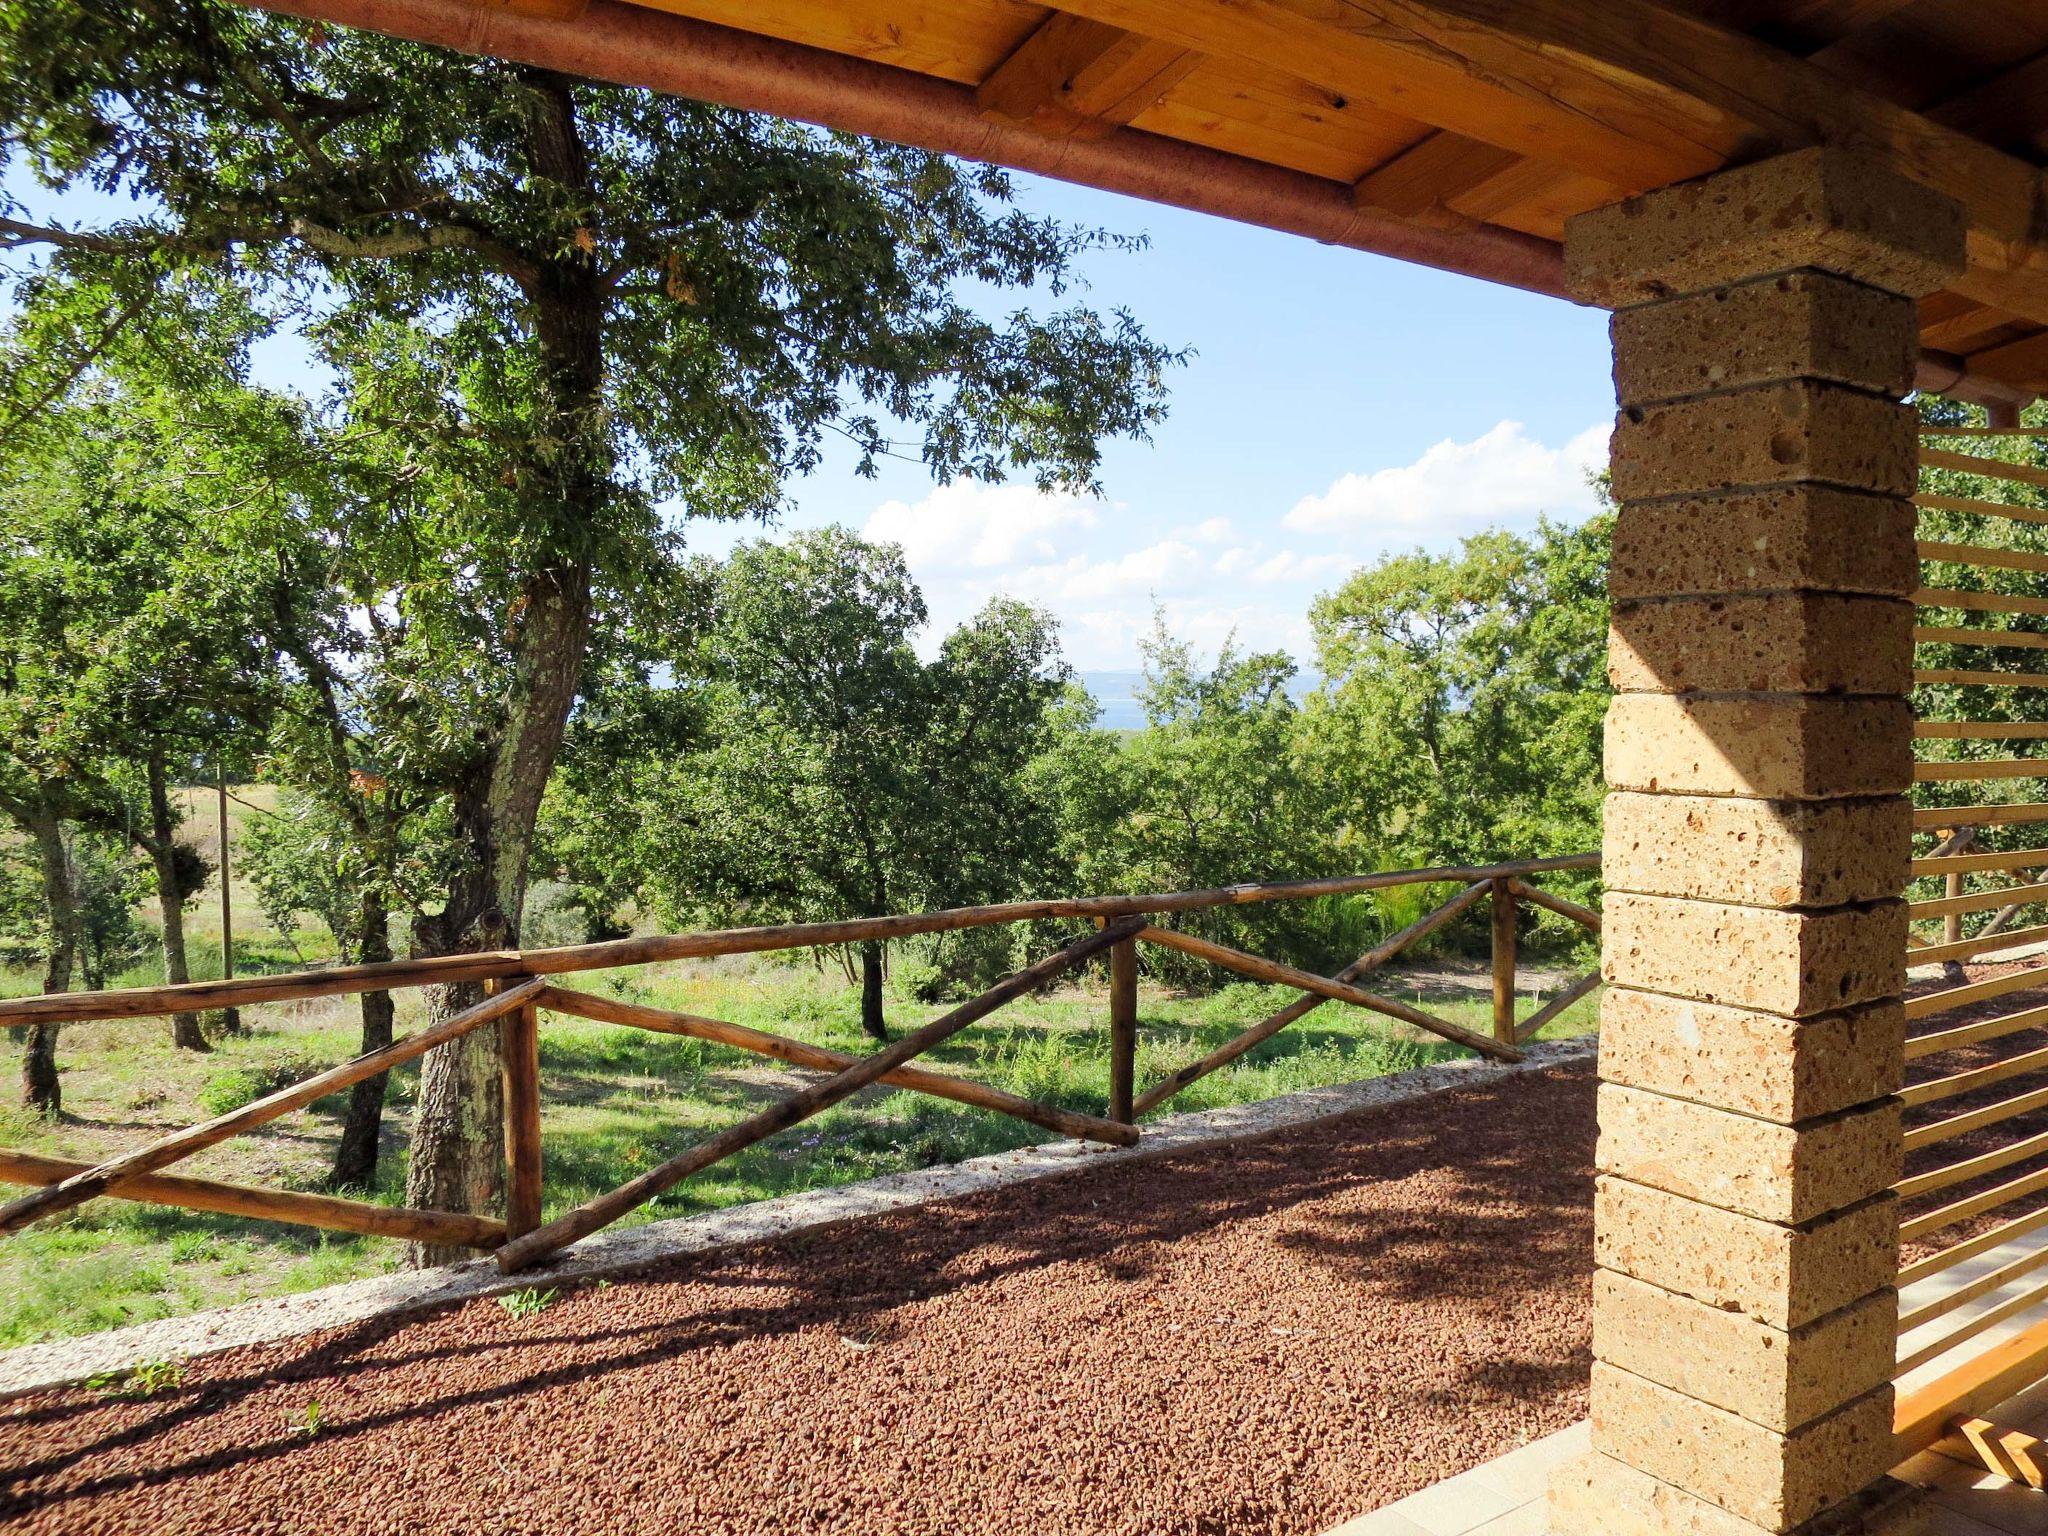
1339 406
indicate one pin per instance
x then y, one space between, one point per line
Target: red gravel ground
1268 1338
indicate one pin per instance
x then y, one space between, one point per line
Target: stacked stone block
1759 749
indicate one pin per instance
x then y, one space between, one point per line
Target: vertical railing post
1504 962
519 1040
1123 1029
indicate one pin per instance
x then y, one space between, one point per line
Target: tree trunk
871 1020
163 855
355 1160
41 1088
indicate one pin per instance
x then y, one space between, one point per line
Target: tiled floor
1505 1496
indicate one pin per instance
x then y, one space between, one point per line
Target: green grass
616 1101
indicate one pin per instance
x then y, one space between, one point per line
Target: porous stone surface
1790 962
1784 1276
1825 208
1764 853
1755 1063
1773 1378
1789 325
1813 538
1771 747
1598 1496
1784 1173
1775 1480
1786 642
1774 434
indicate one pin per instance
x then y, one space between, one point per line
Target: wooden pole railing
519 992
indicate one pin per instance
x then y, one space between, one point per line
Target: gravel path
1267 1339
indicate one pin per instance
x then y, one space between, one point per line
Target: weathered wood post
1123 1029
1759 748
519 1037
1503 895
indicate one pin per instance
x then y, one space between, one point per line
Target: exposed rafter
1079 78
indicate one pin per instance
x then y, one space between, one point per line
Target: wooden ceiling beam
2010 110
1077 78
2023 362
1770 99
1490 86
1421 181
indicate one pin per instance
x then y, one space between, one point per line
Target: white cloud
1502 477
1291 565
971 526
1210 530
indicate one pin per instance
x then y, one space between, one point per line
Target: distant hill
1117 693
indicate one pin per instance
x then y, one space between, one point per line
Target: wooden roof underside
1484 119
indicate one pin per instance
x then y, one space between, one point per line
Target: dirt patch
1266 1338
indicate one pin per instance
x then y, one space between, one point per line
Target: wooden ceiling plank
2009 110
1635 135
1787 102
1079 78
2023 362
1421 181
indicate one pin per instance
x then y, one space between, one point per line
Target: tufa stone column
1759 747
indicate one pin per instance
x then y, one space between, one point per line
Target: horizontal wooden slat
1981 730
1969 1248
1976 901
1983 944
1938 1088
1926 817
1981 1322
1983 1285
1968 1168
1933 1004
1989 469
1974 508
1923 1417
1937 1041
1994 1199
1979 677
1973 863
2002 639
136 1002
323 1211
1979 555
1978 770
1979 602
1976 1119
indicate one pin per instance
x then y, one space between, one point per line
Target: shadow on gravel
1471 1202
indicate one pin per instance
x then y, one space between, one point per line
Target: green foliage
228 1091
1950 700
530 1302
143 1380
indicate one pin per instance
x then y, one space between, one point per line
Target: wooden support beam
1421 181
137 1002
2013 1454
602 1211
1123 1030
519 1052
1224 1054
1503 955
325 1212
1534 1023
78 1188
1261 969
1585 917
1076 78
1971 1389
818 1058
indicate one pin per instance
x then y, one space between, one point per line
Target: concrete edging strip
34 1367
